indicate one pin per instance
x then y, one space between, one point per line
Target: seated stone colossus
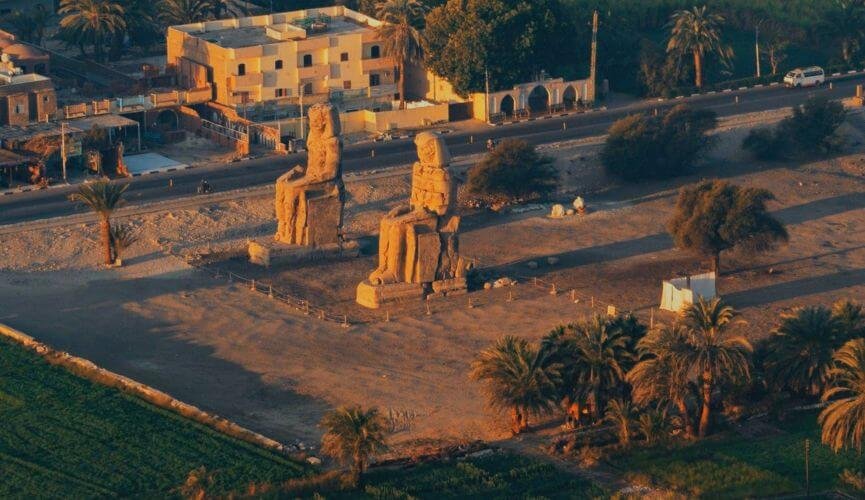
418 244
309 201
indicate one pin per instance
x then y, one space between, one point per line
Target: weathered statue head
323 120
432 150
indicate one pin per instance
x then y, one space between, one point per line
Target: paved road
53 202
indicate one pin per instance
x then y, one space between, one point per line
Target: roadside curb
164 170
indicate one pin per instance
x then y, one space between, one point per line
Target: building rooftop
275 28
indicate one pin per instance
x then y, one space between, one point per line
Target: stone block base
273 253
374 296
450 286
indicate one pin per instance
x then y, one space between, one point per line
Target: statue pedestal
274 253
374 296
309 214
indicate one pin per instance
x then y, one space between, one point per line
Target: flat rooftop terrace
231 37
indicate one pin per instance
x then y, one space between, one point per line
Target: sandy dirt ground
228 350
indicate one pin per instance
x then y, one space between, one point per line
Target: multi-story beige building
331 53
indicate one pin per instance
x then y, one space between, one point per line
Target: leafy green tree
352 436
843 421
401 38
800 350
142 26
712 352
813 128
513 170
173 12
103 198
622 415
518 377
715 216
30 25
697 32
640 147
843 25
91 22
659 377
512 39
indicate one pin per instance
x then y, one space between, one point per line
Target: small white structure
679 293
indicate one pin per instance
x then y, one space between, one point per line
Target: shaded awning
102 121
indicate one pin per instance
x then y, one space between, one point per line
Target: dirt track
227 350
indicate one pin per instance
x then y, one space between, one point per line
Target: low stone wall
89 370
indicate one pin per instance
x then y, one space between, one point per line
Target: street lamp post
757 45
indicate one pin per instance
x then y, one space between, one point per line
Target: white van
805 77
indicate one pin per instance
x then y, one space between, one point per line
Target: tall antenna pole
593 70
63 149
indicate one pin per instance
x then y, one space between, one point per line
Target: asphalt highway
35 205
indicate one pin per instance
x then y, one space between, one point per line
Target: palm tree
852 318
103 198
653 425
601 356
697 32
622 415
401 38
122 237
173 12
659 377
843 421
710 352
519 378
799 352
353 435
91 22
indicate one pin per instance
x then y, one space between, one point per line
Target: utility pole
593 69
63 150
487 92
757 46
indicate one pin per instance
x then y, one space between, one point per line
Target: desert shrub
641 147
813 128
513 170
765 143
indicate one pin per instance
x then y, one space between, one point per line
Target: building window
241 69
278 64
19 109
374 52
346 84
281 92
307 88
396 74
307 60
374 80
343 57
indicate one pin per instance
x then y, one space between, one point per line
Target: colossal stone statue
309 201
418 243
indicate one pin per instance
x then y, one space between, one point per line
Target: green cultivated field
65 437
738 467
496 476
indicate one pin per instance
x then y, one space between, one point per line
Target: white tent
678 293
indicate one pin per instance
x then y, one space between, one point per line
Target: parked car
805 77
